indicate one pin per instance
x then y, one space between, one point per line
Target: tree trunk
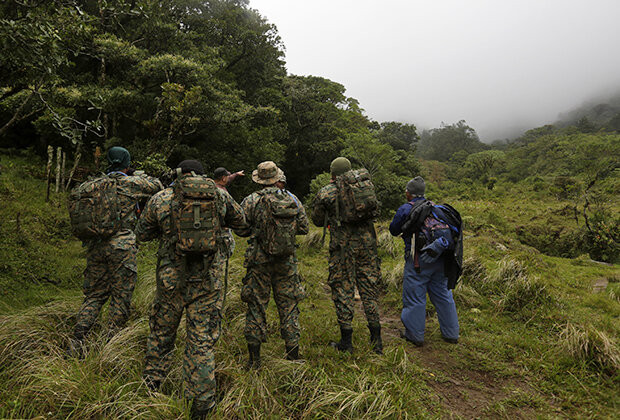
58 162
62 171
76 160
50 158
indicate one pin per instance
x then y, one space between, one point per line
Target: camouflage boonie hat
267 173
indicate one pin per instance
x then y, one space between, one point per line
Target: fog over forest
504 67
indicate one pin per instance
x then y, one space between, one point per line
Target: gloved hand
431 252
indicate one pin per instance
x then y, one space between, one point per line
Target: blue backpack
453 261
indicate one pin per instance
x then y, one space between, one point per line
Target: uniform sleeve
319 211
148 226
235 216
247 206
149 185
303 226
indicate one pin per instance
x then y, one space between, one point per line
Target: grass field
540 334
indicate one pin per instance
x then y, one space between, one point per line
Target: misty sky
501 65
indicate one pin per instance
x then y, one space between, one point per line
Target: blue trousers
431 280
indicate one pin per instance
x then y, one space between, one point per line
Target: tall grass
386 243
512 290
592 346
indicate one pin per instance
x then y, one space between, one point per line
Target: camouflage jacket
342 235
156 223
254 253
132 190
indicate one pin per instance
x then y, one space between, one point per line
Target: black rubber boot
201 409
375 338
292 352
254 351
345 343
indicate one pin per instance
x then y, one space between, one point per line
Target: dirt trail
462 393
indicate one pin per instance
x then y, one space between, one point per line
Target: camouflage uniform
353 260
190 287
111 269
264 273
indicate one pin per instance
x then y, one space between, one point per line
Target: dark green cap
118 158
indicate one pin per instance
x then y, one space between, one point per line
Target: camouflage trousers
348 268
202 303
110 274
260 279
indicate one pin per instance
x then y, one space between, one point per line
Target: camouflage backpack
194 214
356 201
277 223
95 209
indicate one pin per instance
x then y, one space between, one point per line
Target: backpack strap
337 207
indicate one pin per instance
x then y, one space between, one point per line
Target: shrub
566 187
603 240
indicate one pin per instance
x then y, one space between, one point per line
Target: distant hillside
600 112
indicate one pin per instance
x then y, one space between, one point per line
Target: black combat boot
345 343
76 347
152 384
292 352
254 351
201 409
375 338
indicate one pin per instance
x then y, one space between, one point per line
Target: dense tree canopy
171 80
443 142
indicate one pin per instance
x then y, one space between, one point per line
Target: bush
566 187
552 239
603 240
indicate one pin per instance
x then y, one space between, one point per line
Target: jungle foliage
180 79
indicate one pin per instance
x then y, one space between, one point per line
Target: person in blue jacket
424 269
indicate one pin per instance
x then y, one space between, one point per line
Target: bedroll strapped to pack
194 215
453 263
95 209
278 223
356 200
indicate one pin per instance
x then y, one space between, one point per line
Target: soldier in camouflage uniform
266 272
353 261
111 269
188 285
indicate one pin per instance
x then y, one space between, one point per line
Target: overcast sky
501 65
